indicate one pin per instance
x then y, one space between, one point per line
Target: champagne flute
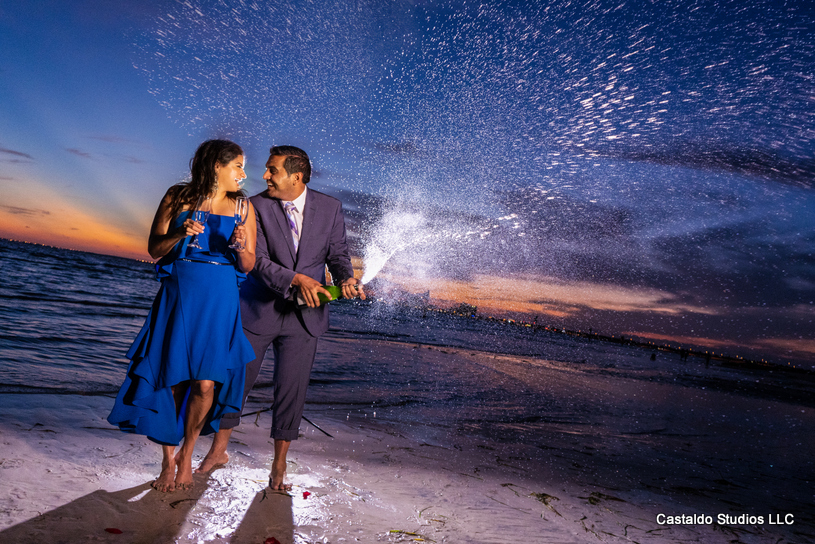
199 215
241 213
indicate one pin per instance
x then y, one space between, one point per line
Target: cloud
718 156
114 139
78 229
730 264
565 218
790 346
736 265
24 211
16 154
683 340
537 293
78 152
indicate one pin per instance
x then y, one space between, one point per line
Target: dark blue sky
635 167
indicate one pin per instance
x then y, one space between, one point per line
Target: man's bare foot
183 477
278 477
165 481
213 461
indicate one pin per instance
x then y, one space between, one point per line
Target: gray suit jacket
322 242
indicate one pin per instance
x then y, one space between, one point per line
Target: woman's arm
247 232
162 240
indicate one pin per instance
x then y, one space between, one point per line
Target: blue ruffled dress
193 332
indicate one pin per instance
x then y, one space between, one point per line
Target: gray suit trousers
294 351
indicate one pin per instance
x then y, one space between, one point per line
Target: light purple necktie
295 234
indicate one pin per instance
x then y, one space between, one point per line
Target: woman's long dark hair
202 173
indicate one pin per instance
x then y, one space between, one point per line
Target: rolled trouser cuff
285 434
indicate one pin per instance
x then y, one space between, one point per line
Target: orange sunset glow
71 228
542 295
571 302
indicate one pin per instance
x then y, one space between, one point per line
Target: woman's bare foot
277 479
183 477
165 481
213 461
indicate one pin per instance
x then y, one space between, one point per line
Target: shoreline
700 351
802 361
611 449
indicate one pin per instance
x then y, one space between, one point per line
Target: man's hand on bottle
351 288
309 288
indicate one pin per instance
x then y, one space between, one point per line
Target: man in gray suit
300 231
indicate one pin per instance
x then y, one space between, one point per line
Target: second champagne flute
241 212
200 214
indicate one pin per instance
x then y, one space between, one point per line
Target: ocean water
67 318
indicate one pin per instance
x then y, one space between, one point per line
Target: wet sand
611 448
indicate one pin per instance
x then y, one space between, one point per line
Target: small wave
83 302
339 332
12 389
345 381
373 404
57 339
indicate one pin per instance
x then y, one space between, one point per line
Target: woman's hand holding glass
191 228
200 214
241 213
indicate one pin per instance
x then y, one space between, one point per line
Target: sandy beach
612 449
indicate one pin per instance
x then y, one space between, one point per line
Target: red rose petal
271 540
114 530
306 494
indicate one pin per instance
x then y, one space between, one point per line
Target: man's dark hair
296 160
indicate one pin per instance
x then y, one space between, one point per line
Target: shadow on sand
146 516
269 515
142 514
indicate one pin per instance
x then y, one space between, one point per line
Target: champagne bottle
335 290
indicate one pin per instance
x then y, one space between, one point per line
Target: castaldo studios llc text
726 519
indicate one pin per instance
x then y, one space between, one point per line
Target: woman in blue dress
188 362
